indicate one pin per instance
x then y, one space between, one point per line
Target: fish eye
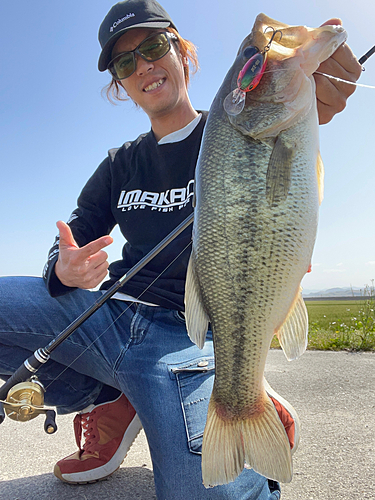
250 52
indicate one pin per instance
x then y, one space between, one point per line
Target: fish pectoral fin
260 441
320 177
279 170
195 315
293 333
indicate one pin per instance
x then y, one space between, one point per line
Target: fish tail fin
223 455
260 441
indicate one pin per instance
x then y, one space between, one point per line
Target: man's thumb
332 22
66 235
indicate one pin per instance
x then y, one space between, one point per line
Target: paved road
334 394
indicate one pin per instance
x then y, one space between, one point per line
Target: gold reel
25 401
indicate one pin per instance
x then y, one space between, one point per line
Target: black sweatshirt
147 189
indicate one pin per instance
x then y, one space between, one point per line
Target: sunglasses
150 49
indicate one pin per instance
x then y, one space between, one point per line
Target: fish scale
257 189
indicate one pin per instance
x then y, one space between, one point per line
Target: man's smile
154 85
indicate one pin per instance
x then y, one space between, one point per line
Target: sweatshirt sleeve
91 219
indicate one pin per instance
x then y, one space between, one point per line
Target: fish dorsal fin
279 170
320 177
196 317
293 333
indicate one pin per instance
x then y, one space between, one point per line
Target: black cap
124 16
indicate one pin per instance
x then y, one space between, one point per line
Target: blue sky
55 126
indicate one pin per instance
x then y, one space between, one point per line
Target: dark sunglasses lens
155 47
151 49
123 66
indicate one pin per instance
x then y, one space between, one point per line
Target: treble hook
268 46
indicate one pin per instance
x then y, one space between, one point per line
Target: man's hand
83 267
332 95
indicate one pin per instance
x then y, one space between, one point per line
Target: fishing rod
367 55
22 395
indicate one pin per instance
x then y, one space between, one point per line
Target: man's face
157 87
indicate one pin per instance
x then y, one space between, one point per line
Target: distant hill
333 292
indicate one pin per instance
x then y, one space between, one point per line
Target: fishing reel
25 401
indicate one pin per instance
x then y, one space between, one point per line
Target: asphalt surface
333 393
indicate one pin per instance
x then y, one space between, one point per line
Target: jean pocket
194 381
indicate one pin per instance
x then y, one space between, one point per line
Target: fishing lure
249 76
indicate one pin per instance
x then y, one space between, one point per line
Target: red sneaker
287 415
109 430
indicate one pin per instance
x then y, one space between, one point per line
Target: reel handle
50 422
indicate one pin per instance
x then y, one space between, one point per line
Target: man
137 344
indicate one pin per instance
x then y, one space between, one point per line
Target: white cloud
370 263
334 270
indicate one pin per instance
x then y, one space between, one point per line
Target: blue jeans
144 352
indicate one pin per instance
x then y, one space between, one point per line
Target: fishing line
346 81
118 317
328 76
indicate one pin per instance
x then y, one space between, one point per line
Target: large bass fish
258 189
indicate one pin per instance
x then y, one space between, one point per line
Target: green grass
340 325
326 312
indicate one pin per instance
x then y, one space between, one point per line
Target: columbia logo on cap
119 21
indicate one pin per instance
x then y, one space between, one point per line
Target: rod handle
25 371
20 375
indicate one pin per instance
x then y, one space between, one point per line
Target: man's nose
143 66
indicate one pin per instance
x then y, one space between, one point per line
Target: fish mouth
154 85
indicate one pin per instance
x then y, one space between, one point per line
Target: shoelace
83 423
